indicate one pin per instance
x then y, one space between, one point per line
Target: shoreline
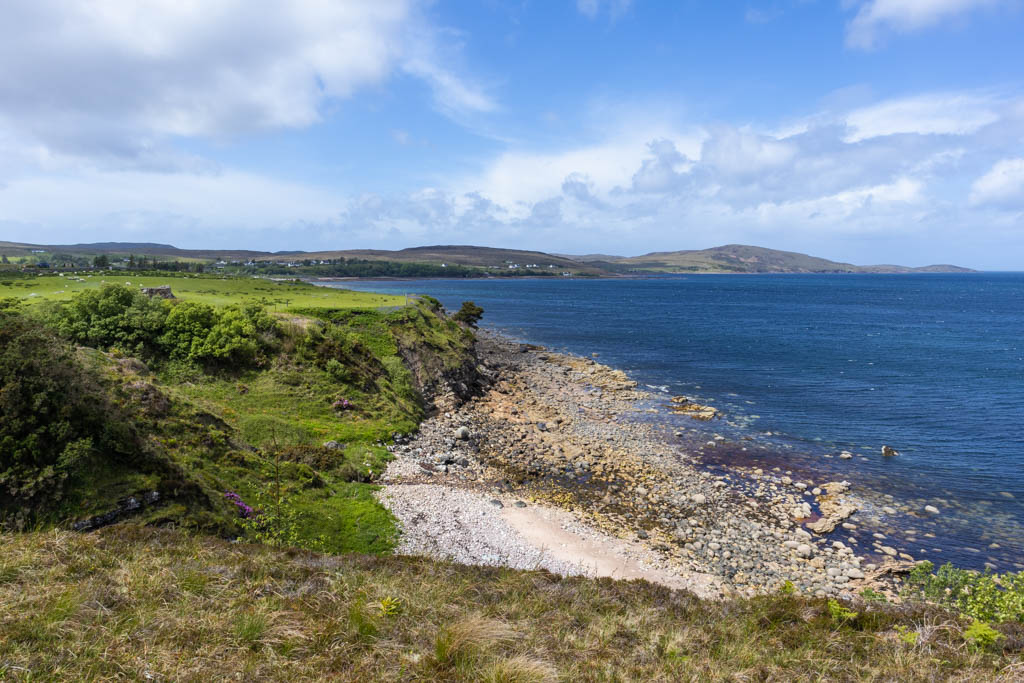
622 276
557 434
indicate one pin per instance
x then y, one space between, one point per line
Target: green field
215 290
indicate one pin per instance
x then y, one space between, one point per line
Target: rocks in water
888 510
685 406
834 508
889 451
889 550
845 455
931 509
462 433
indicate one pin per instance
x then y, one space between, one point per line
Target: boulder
462 433
889 451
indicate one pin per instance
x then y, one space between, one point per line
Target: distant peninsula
450 261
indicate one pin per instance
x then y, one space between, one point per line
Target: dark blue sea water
931 364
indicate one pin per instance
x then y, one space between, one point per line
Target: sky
868 131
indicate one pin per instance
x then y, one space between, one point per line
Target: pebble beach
556 465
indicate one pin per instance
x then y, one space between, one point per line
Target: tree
469 314
101 261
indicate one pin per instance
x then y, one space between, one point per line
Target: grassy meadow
148 604
211 289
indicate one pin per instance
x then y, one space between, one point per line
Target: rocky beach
558 464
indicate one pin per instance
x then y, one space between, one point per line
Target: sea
805 367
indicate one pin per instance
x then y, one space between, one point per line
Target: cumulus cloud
115 77
893 170
876 17
931 114
1003 184
738 152
664 169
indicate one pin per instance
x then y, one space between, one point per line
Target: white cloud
641 184
741 152
842 205
113 77
1003 184
932 114
875 17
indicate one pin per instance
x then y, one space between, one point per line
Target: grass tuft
461 643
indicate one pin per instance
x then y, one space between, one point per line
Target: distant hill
731 258
740 258
463 255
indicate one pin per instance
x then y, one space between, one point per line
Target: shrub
54 413
840 613
981 636
114 316
119 317
185 331
985 596
239 335
469 314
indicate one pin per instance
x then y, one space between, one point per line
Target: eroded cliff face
443 360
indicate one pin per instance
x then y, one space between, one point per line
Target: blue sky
861 130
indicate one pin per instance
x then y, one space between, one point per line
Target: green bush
187 326
239 336
983 596
114 316
981 636
469 314
120 317
54 414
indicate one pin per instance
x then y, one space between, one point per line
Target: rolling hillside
464 255
738 258
732 258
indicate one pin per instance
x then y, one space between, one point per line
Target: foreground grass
142 603
210 289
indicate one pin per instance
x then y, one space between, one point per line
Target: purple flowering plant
244 511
